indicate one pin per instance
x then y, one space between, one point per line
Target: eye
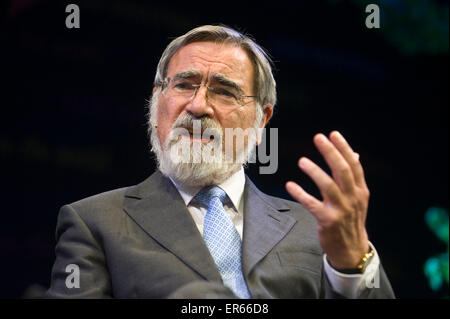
183 85
224 92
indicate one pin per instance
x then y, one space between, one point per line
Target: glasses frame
240 99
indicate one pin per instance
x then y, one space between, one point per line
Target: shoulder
103 201
94 212
116 198
108 208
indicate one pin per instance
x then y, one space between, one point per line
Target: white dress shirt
350 286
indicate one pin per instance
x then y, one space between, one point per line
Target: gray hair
264 82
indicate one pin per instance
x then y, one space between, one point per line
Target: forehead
209 58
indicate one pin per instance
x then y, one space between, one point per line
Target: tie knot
205 195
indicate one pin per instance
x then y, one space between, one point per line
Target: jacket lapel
157 207
265 225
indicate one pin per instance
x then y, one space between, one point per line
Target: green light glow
436 267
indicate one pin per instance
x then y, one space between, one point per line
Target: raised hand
341 215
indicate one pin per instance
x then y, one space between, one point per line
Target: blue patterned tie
223 240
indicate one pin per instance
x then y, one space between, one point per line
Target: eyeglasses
219 95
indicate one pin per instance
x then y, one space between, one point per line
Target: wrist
357 268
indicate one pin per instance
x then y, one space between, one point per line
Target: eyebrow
217 77
222 79
188 74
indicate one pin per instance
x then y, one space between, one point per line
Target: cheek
167 114
240 118
243 118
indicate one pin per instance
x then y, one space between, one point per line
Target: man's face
208 59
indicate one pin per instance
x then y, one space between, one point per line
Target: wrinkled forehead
207 60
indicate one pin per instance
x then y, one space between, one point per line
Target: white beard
189 172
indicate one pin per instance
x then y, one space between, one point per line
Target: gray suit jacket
141 242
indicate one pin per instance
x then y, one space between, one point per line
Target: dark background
73 105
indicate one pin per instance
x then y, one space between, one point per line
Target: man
200 228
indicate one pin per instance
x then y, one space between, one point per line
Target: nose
198 105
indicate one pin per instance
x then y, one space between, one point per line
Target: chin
198 174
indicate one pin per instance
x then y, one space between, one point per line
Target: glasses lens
218 95
223 96
183 88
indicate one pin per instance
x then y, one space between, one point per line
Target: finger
327 186
340 169
350 156
308 201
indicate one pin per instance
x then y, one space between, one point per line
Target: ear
268 112
154 89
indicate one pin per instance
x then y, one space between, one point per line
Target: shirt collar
233 186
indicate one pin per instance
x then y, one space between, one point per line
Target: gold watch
361 267
365 261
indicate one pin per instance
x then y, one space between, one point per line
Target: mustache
187 121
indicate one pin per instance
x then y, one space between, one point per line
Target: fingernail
304 163
320 137
339 135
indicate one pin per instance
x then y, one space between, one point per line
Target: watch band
365 261
361 267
